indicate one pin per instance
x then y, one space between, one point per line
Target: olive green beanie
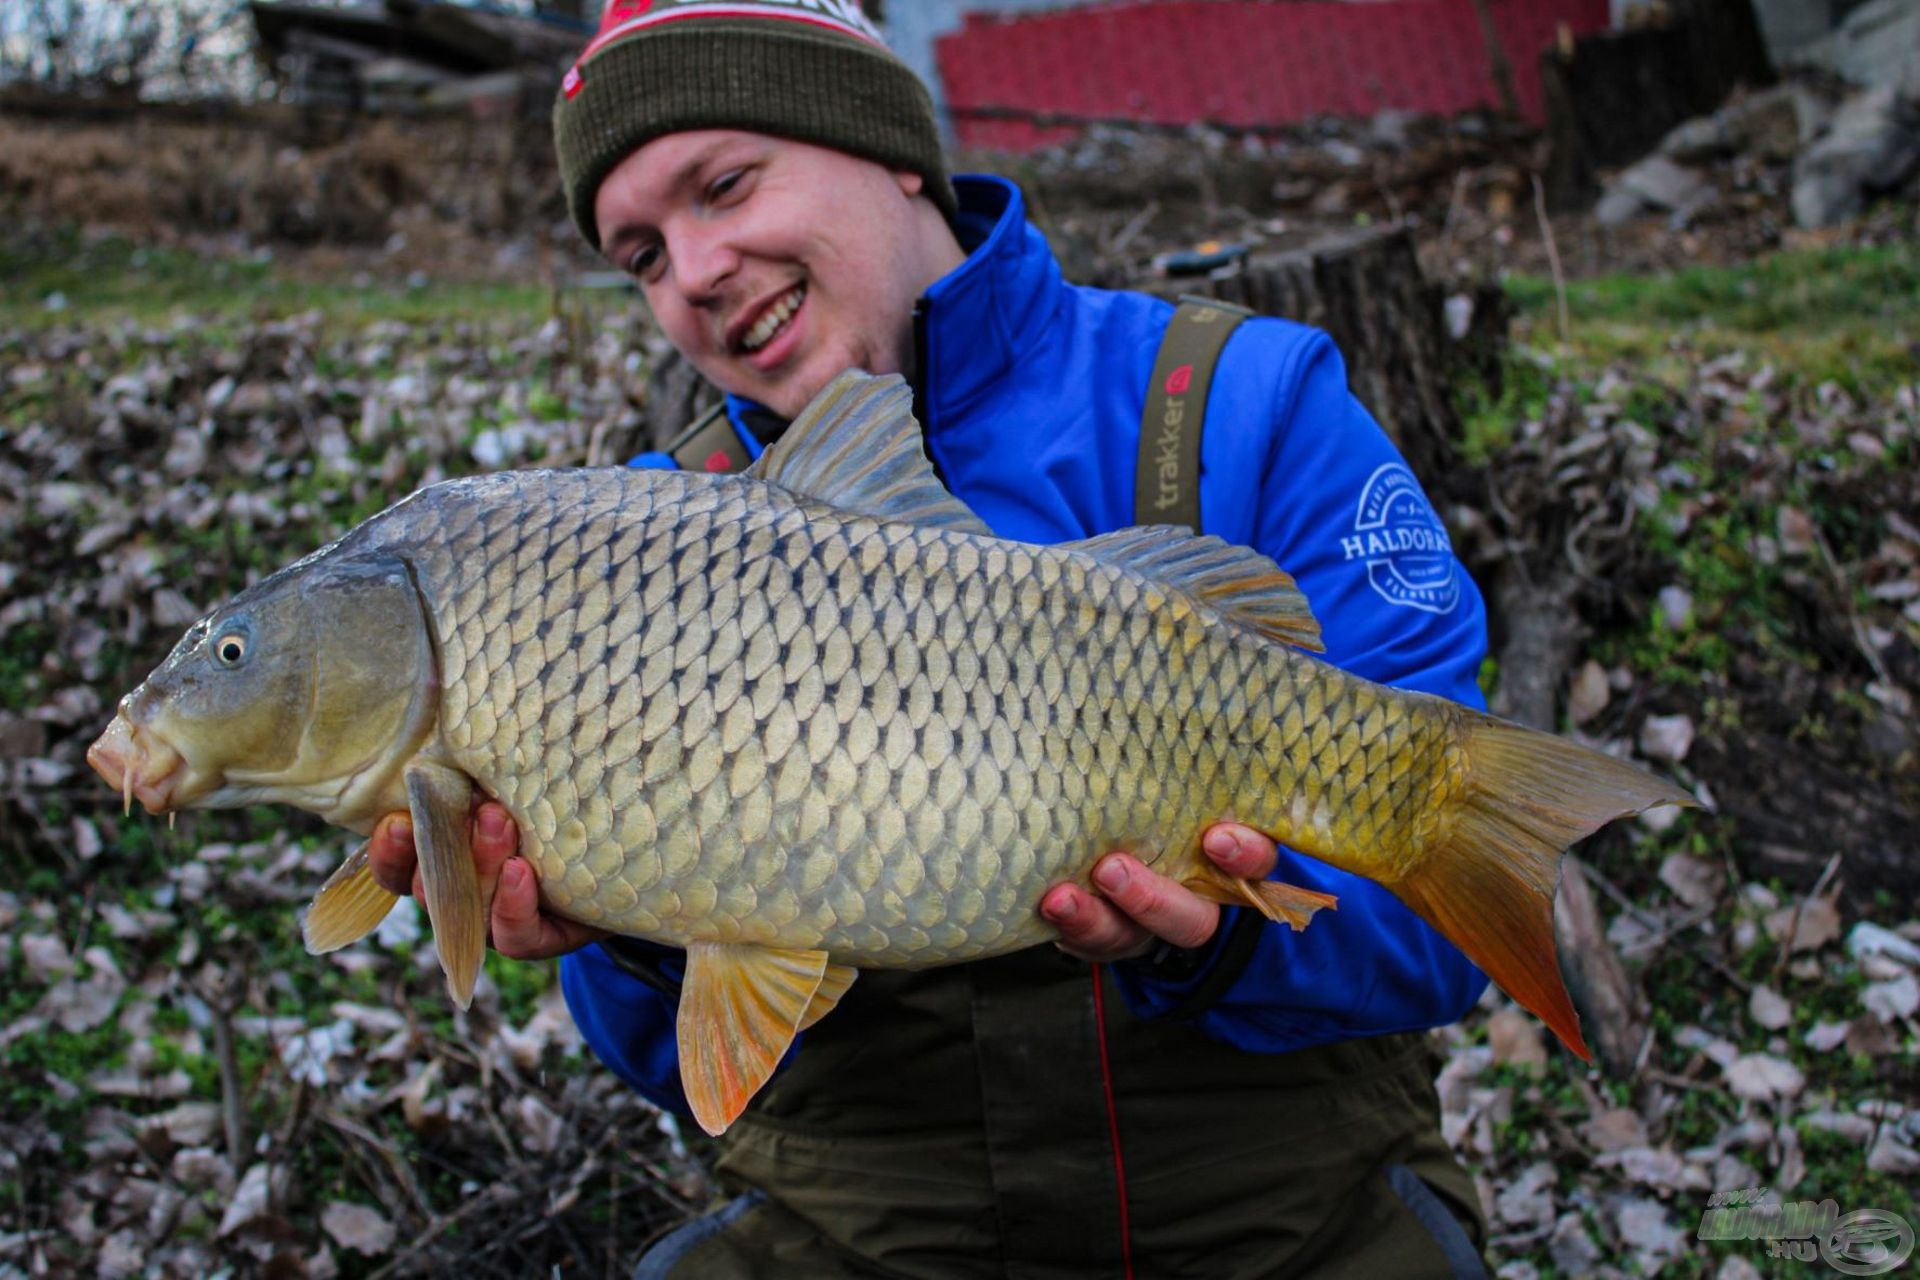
811 70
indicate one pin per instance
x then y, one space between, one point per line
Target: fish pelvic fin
349 906
740 1008
1488 885
1239 582
1287 904
440 800
857 447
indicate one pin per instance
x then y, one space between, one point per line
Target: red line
1113 1124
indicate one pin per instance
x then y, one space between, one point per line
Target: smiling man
1175 1088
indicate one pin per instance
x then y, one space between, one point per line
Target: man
1176 1088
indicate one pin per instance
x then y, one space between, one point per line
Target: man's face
773 265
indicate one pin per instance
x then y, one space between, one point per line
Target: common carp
816 716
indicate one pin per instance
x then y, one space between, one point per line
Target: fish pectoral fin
441 799
1286 904
833 985
349 906
740 1008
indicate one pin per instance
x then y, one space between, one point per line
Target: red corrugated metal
1242 62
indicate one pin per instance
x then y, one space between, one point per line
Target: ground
1711 471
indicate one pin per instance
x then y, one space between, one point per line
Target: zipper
918 384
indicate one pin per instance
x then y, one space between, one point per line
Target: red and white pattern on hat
622 18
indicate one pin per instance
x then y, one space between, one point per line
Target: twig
395 1162
1793 923
1854 625
1133 227
1553 255
223 995
1618 895
1453 212
485 1200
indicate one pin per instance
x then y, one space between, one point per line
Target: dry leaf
1763 1077
1527 1201
1825 1035
1589 694
1667 738
358 1227
1892 1001
1817 925
1515 1037
1615 1128
1695 881
1769 1008
253 1199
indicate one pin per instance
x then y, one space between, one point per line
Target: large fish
816 717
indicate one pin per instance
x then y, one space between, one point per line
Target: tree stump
1612 96
1365 288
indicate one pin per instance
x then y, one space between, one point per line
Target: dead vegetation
1698 535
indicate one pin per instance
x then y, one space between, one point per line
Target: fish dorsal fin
857 447
1238 581
740 1008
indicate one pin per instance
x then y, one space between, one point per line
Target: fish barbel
816 717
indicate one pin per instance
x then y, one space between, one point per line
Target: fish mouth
140 765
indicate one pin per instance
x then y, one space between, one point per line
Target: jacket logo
1166 445
718 461
1403 544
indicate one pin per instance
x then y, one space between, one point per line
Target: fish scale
817 716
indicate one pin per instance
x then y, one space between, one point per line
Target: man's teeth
776 315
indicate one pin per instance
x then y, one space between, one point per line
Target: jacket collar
978 319
990 312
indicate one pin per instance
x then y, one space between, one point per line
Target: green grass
1841 314
114 278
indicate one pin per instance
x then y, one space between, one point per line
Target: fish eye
230 647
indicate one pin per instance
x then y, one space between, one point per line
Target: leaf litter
190 1094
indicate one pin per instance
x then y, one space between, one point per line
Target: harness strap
709 444
1167 479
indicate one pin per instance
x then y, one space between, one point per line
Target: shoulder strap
1167 480
710 444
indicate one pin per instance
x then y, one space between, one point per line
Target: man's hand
520 930
1137 907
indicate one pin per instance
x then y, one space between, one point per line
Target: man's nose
703 260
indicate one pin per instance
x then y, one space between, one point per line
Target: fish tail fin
1489 884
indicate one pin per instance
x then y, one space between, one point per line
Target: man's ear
911 184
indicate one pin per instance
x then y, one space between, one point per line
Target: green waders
973 1121
1011 1118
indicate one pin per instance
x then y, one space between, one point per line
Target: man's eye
725 184
643 260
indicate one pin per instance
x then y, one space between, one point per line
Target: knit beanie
811 70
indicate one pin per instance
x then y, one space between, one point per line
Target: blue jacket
1031 392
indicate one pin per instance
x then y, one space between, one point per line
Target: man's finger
1163 908
521 931
495 839
390 852
1091 929
1240 851
516 912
